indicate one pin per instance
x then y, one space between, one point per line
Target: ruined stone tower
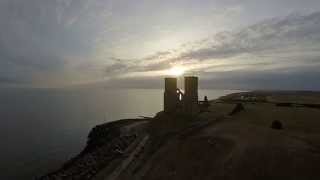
171 98
177 101
190 99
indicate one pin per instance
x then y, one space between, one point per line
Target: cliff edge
236 138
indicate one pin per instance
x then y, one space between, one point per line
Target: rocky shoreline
106 143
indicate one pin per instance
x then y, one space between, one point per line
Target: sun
176 71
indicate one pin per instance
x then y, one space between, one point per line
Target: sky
229 44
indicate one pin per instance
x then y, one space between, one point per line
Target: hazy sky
252 44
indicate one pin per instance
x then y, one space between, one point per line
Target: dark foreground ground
229 141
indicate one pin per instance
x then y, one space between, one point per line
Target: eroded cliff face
107 145
126 149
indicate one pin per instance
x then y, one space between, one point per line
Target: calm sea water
40 129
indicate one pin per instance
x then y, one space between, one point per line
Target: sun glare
176 71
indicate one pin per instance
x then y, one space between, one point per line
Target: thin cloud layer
39 39
277 44
49 43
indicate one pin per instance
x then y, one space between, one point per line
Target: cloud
289 44
53 42
294 31
297 79
43 38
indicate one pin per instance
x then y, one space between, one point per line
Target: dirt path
128 160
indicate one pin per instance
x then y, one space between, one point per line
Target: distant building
177 101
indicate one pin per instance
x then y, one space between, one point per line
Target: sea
40 129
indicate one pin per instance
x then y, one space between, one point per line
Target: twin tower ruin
177 101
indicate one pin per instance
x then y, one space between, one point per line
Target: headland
247 135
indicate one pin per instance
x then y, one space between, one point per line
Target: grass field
244 146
